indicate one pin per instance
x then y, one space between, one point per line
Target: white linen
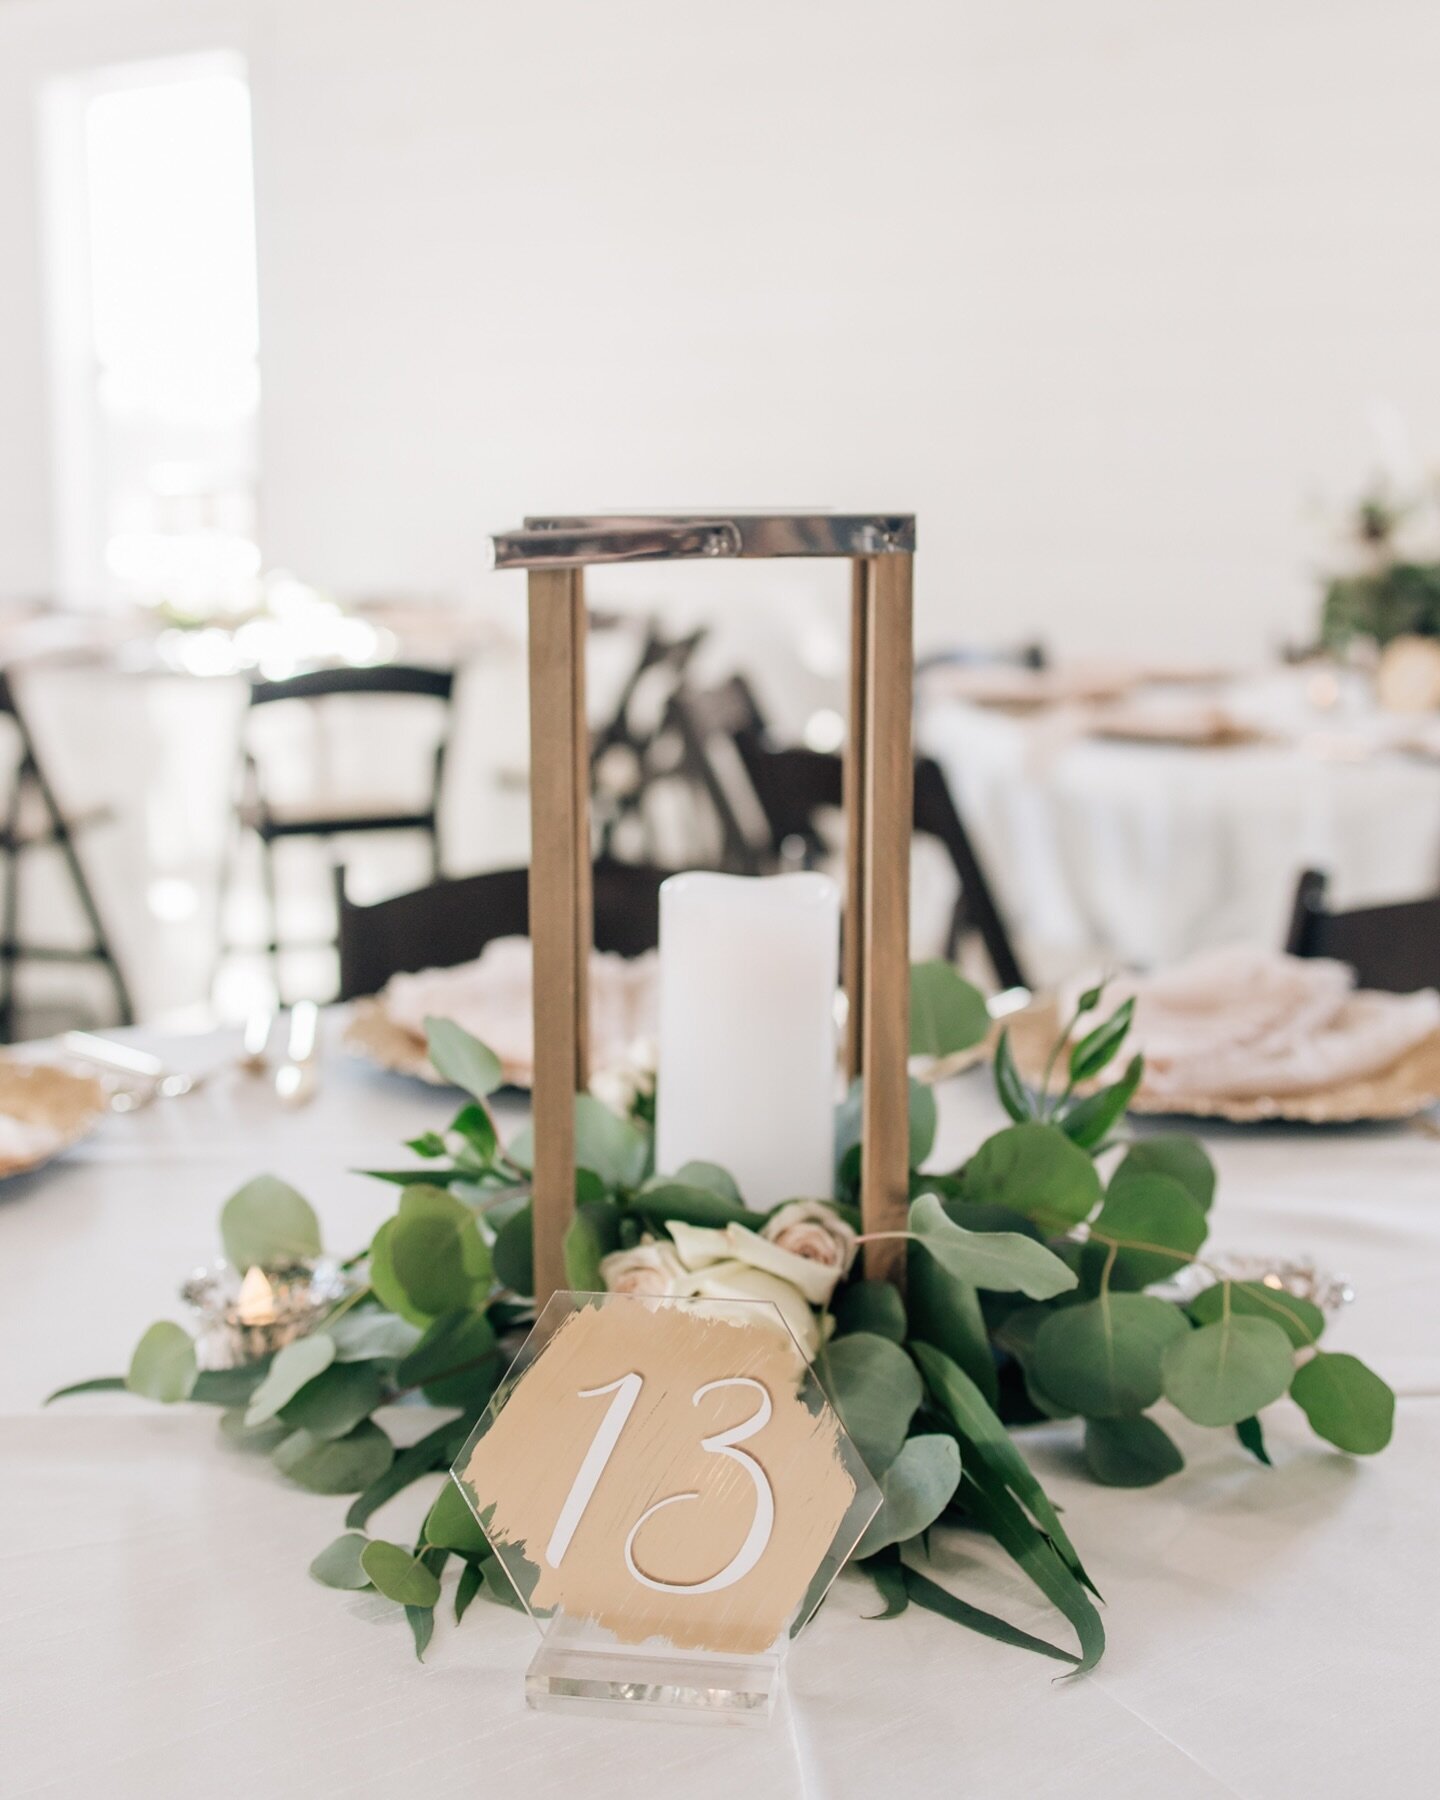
1141 854
1242 1021
159 1638
491 998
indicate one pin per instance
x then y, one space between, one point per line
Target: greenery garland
1036 1291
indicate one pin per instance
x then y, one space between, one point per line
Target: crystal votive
244 1317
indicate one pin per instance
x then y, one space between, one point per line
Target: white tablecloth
1141 853
160 1639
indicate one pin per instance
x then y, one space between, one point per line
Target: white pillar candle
746 1075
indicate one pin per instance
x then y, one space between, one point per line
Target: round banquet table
161 1640
1141 853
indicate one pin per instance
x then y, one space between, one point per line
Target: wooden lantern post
879 776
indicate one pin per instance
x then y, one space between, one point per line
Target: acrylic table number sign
671 1494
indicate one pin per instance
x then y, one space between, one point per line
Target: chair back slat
451 922
1395 948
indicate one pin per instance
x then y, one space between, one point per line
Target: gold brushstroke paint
525 1465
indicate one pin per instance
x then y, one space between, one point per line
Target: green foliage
1005 1261
1222 1373
335 1465
1024 1302
1346 1403
947 1014
874 1387
1036 1170
1400 598
398 1575
462 1059
873 1306
915 1490
338 1564
1102 1358
1131 1452
163 1366
267 1221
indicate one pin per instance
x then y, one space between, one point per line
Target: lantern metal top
576 540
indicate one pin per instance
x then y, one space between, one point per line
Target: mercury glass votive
244 1317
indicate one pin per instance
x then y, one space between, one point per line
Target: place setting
657 1133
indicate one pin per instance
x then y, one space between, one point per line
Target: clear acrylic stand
580 1668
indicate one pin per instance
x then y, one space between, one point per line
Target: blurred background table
1112 847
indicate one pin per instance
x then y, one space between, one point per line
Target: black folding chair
1395 947
632 753
794 785
34 820
270 821
452 921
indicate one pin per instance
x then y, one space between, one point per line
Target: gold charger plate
40 1094
1407 1088
372 1034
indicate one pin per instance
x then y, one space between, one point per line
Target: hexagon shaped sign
665 1477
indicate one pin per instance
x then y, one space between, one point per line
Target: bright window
155 336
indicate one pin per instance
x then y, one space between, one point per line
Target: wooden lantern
879 774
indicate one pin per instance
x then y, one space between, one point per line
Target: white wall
1102 289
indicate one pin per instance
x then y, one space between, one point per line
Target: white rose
739 1281
813 1229
699 1247
650 1269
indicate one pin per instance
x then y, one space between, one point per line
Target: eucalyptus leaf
254 1440
1183 1159
661 1200
457 1362
582 1255
947 1014
163 1367
362 1335
1132 1453
514 1251
875 1388
430 1259
338 1564
231 1387
268 1221
1346 1403
292 1367
607 1145
914 1490
474 1124
1301 1320
337 1399
1035 1169
1224 1372
1103 1358
1145 1209
873 1306
1004 1261
924 1122
712 1178
498 1584
336 1465
450 1524
398 1575
462 1059
436 1450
